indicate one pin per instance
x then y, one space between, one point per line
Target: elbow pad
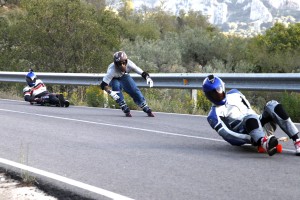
103 84
145 75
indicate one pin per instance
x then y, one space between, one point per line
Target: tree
65 36
156 55
277 50
8 52
281 38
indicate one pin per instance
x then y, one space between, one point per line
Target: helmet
31 78
120 58
214 89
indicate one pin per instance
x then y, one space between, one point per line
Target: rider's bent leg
275 112
116 86
131 88
53 99
255 130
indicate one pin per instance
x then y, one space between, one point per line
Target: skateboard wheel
260 149
279 148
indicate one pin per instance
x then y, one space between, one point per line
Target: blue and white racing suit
239 124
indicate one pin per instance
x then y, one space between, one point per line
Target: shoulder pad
232 91
38 81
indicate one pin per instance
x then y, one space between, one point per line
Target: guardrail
243 81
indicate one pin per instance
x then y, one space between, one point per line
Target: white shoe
297 146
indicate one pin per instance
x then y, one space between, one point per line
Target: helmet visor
120 63
216 95
30 81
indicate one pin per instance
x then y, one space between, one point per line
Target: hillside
244 17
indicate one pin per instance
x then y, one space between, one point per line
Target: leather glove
114 95
149 81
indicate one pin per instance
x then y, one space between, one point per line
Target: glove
149 81
114 95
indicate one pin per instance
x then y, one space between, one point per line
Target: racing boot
67 103
269 144
147 110
125 108
61 100
297 146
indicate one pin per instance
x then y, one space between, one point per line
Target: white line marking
114 125
91 188
112 109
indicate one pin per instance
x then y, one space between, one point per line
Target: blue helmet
214 89
31 78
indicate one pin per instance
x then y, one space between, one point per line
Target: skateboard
260 149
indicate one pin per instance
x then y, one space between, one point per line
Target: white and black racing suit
39 94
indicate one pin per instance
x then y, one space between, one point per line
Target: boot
147 110
67 103
269 144
297 146
125 108
61 100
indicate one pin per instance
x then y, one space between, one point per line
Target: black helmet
120 57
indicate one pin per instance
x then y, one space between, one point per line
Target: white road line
91 188
114 125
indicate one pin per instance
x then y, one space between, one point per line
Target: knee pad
279 110
251 124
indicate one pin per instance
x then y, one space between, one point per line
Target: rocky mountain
242 17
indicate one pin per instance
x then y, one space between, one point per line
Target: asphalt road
168 157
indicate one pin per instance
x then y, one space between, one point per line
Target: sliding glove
114 95
149 81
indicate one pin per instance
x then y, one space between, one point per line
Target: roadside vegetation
80 36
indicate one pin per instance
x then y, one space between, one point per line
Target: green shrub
202 102
291 103
130 102
170 100
95 97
